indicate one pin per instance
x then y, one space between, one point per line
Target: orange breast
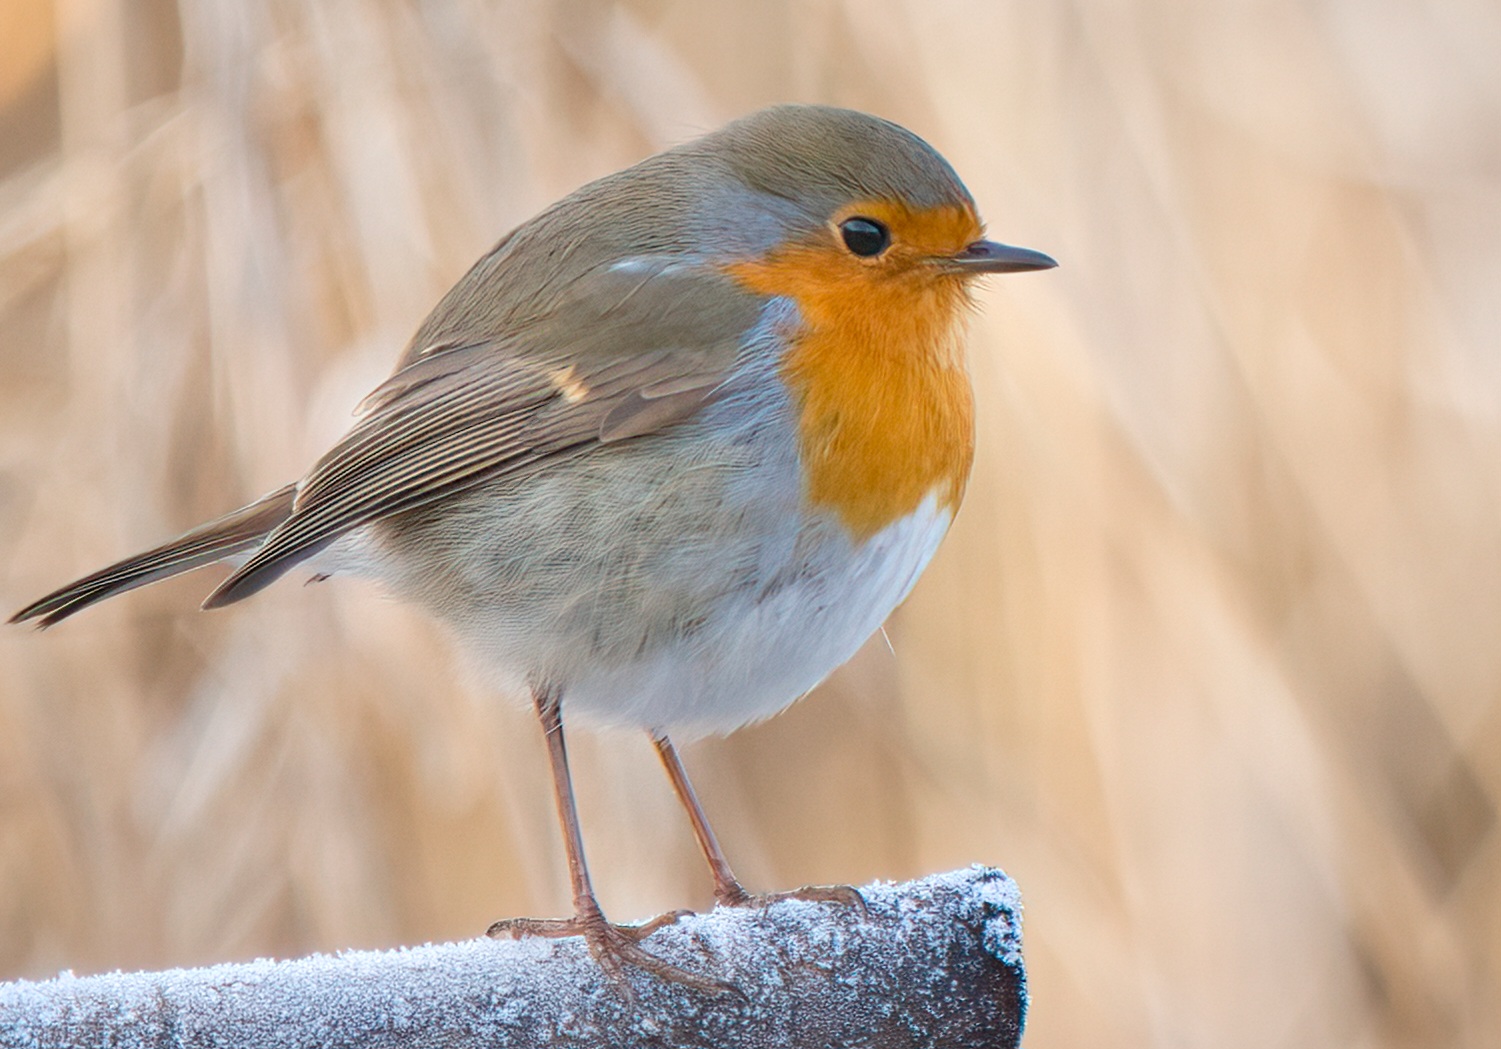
876 366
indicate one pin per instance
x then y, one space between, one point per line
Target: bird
664 457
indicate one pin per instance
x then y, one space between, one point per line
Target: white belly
762 653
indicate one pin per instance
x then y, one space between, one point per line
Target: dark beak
986 256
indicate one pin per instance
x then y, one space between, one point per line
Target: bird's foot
733 895
614 946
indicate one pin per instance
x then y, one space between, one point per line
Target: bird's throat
877 373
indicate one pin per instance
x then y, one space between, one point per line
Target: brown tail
231 534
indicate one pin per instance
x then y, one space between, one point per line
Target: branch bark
936 962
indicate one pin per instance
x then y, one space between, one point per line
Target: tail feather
232 534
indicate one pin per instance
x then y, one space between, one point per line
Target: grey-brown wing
623 351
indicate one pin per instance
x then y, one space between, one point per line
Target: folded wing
623 351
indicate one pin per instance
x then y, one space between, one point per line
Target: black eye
865 237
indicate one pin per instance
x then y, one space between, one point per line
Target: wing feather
623 352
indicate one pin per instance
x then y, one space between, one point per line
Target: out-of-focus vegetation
1210 662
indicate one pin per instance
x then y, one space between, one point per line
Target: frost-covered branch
936 962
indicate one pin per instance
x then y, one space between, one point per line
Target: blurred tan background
1210 663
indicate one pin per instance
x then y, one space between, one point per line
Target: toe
616 946
551 928
843 895
645 929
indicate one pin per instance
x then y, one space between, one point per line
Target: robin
666 455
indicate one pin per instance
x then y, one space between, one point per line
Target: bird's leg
613 946
727 890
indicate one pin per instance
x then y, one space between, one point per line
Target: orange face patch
877 368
